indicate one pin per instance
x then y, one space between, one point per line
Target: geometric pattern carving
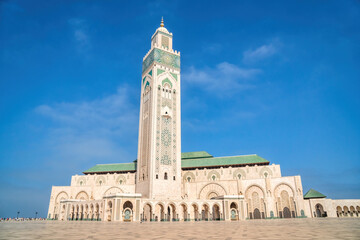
82 196
213 175
121 180
281 187
61 196
113 190
239 174
211 188
100 181
254 188
189 176
265 172
81 181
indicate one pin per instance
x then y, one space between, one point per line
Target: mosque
164 184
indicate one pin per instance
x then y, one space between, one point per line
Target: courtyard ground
325 228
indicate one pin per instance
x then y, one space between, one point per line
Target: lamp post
36 213
18 214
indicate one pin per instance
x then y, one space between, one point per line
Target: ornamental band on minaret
164 184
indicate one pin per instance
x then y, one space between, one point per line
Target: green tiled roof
190 155
189 160
116 167
313 194
223 161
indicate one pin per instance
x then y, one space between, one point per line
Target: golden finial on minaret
162 22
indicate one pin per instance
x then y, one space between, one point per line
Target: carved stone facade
166 185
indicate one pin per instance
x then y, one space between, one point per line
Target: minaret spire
162 22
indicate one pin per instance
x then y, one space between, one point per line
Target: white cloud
88 130
259 53
224 78
79 28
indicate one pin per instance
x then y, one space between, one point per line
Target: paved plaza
325 228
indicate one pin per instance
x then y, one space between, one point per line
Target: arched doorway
147 213
254 196
195 212
81 212
352 211
320 210
91 212
171 213
72 213
62 213
339 211
285 202
109 211
77 213
257 214
205 213
346 211
127 211
184 214
286 212
97 212
216 212
159 212
234 211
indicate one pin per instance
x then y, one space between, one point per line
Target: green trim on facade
166 80
223 161
144 79
160 71
193 155
313 194
146 84
189 160
175 76
117 167
150 73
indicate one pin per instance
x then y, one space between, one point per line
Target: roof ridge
239 155
113 163
196 151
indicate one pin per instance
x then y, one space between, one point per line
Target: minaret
159 146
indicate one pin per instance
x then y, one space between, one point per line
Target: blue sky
275 78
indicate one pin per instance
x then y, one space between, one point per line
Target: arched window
239 176
120 182
213 177
81 183
157 176
266 174
189 179
165 176
143 177
100 182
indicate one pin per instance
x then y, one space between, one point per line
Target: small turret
162 37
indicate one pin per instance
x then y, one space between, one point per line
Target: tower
159 144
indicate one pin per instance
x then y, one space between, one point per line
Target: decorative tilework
166 80
175 76
160 71
147 84
162 57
